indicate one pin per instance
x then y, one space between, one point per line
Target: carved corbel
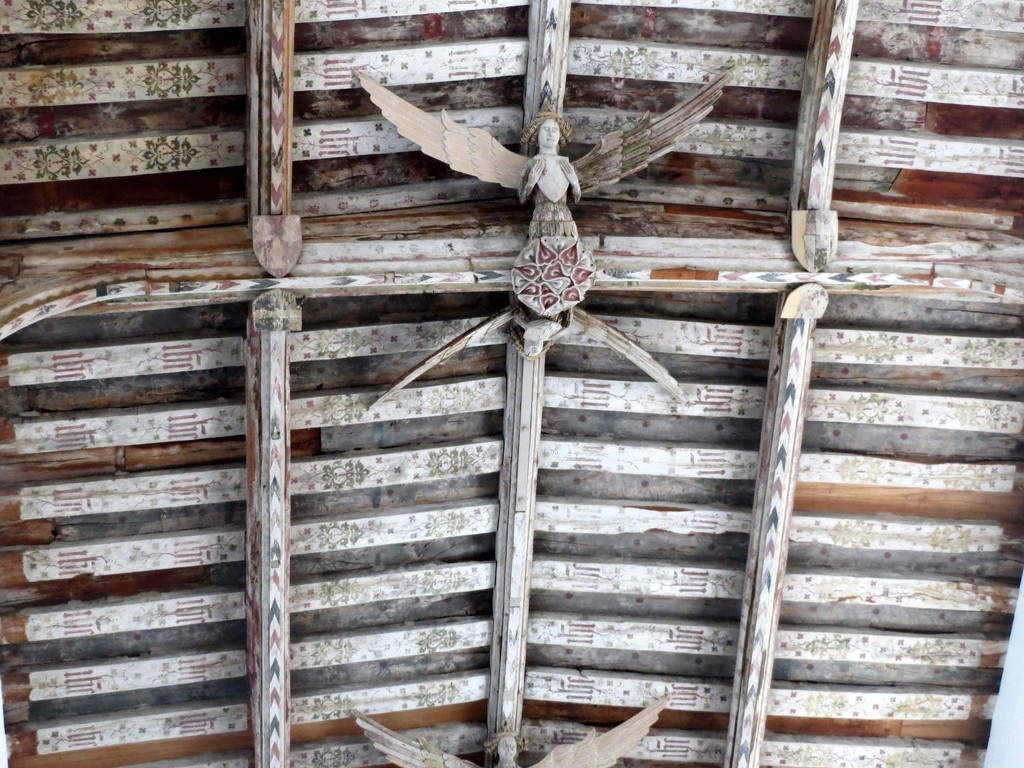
277 242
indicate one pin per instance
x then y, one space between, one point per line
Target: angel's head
550 131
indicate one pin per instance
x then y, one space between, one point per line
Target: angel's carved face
548 136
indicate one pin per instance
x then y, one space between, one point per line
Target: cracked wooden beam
267 523
815 226
276 233
775 492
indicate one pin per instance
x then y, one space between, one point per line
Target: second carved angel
552 274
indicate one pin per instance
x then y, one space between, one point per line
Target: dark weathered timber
737 433
341 565
938 45
129 117
679 664
969 381
95 194
912 442
653 545
604 485
635 606
398 30
123 46
384 613
935 316
410 432
694 27
960 120
389 670
736 103
350 103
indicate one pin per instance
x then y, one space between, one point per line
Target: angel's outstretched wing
468 150
604 751
408 754
448 351
621 153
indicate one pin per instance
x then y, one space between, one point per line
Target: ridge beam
514 550
815 226
267 522
547 58
774 494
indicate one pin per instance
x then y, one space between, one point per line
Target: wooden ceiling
508 545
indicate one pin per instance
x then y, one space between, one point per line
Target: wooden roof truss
410 557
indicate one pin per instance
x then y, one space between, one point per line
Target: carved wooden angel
592 751
551 275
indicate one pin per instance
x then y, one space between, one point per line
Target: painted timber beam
277 238
267 523
524 397
774 494
815 226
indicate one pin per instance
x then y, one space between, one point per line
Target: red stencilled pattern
553 274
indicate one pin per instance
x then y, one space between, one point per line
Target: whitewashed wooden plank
470 396
428 581
103 618
415 694
710 137
396 467
208 606
637 459
134 555
926 594
670 746
100 83
848 468
882 79
826 405
130 493
113 16
383 644
362 341
710 400
811 752
889 535
358 752
666 461
857 347
440 62
54 366
1002 15
608 689
611 519
683 64
129 426
327 139
803 643
96 733
393 527
392 198
936 83
743 342
849 589
628 578
103 677
888 648
910 535
113 556
992 157
240 761
972 414
654 637
67 159
341 10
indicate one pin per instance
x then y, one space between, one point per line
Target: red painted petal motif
580 275
572 294
545 255
528 271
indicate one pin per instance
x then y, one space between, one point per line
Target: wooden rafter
267 524
775 493
826 72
